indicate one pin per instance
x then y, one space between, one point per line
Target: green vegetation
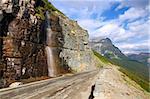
137 68
40 12
143 83
135 71
102 58
47 6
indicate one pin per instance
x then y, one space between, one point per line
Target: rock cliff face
105 47
24 36
137 71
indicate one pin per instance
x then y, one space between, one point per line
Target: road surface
76 86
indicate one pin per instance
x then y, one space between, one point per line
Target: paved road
68 87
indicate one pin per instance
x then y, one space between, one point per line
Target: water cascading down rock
24 44
51 50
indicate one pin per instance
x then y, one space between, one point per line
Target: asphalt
77 86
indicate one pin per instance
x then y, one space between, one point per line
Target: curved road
77 86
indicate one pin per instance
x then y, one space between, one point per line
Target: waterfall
48 30
51 61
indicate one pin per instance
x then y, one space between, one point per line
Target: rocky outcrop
21 46
23 40
105 48
76 51
137 71
112 84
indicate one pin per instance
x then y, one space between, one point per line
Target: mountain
141 57
114 83
106 48
36 40
134 69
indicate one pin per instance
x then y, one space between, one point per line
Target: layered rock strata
23 40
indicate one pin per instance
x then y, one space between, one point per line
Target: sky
125 22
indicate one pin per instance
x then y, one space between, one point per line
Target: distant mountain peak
105 46
106 40
142 57
100 39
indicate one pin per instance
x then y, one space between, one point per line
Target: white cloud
106 30
133 14
134 32
134 36
133 3
134 47
83 8
114 31
89 24
140 28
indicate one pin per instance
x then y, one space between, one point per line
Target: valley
44 54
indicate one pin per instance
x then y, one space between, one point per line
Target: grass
134 70
134 67
40 10
102 58
143 83
50 7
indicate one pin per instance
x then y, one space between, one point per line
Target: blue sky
125 22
